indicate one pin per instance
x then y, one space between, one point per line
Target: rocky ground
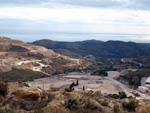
21 99
94 83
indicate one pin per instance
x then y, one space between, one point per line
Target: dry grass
53 88
143 109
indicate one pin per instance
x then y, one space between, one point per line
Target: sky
75 20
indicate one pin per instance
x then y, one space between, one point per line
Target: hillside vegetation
109 49
21 75
134 78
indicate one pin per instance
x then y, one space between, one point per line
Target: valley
73 76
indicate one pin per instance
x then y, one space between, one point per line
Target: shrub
130 97
1 98
104 103
25 84
32 105
116 109
131 105
115 96
52 88
73 104
5 110
122 95
4 103
68 90
3 88
93 105
100 72
38 111
143 109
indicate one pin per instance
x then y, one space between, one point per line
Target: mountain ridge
109 49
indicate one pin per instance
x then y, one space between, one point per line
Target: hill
109 49
15 55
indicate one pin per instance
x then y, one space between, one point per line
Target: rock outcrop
29 93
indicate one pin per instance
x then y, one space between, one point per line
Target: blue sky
75 20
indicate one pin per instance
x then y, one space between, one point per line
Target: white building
143 89
147 83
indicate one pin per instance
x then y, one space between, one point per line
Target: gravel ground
107 86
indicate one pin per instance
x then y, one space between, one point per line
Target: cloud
73 14
112 4
22 17
115 4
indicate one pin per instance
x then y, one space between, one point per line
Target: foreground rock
29 93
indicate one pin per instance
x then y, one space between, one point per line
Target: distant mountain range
100 49
92 40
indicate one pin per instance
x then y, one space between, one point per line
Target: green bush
25 84
100 72
73 104
115 96
131 105
116 109
122 95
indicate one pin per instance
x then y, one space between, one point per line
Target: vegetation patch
120 95
32 105
100 72
59 61
116 109
3 88
134 78
21 75
131 105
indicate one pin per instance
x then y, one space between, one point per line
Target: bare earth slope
17 54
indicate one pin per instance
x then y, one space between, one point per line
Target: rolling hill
99 49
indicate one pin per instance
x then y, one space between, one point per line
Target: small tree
77 83
72 85
83 88
3 88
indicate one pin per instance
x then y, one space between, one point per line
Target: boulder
29 93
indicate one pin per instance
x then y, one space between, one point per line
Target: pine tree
72 85
77 83
83 88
